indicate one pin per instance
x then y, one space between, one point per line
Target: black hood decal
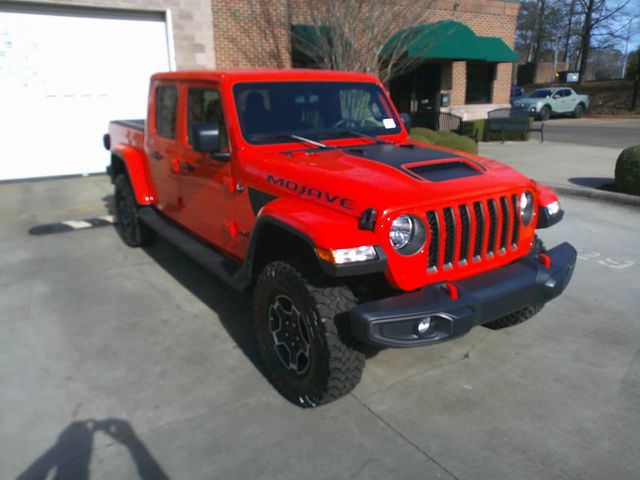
397 156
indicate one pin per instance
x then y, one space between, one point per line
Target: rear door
205 181
565 100
161 145
572 99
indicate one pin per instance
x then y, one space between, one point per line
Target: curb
593 194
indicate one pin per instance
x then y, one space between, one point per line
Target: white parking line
77 224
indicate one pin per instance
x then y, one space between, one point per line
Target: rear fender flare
138 172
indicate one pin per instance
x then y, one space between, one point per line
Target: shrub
444 139
628 171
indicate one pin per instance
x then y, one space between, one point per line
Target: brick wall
502 83
251 33
192 25
458 83
255 33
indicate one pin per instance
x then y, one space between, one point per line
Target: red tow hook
545 259
452 290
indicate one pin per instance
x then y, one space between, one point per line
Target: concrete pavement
119 363
579 170
594 131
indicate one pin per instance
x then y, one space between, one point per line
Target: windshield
271 112
540 94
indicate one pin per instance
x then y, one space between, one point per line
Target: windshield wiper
286 136
310 142
355 133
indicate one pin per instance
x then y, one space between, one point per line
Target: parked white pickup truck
544 102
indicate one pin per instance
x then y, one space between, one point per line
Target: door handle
186 167
156 155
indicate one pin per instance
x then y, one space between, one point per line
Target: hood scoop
443 171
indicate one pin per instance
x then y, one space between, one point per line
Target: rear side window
166 106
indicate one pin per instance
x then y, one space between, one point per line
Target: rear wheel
527 312
132 231
302 332
579 111
545 113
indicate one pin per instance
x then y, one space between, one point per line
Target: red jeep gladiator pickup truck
304 185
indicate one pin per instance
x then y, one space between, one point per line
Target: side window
166 106
566 93
205 106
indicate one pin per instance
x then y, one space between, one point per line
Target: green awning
448 40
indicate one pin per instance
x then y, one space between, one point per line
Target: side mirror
205 138
406 119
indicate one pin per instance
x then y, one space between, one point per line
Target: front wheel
302 333
527 312
545 114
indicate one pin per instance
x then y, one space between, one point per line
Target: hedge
628 171
444 139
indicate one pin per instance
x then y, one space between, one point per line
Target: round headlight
526 207
407 235
402 231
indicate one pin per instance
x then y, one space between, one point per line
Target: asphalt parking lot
118 363
597 132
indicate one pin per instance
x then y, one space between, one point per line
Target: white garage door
63 76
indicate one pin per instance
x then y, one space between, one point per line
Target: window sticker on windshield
388 123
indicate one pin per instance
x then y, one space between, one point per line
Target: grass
444 139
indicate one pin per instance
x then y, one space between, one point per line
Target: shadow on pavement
70 456
232 307
591 182
109 204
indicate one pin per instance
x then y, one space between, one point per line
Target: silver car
544 102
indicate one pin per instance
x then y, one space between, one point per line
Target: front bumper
392 322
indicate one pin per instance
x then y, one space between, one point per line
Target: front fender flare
317 227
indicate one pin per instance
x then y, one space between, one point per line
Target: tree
600 19
538 26
632 65
350 34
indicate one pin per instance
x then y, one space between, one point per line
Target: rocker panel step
221 266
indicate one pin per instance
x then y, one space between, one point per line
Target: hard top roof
265 75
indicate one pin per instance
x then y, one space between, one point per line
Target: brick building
91 59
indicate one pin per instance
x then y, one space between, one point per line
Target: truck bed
135 124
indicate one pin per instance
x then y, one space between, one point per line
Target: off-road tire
545 113
127 222
527 312
579 111
335 365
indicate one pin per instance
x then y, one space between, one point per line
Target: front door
205 182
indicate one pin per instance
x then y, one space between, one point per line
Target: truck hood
528 101
385 177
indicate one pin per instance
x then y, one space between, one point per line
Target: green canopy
448 40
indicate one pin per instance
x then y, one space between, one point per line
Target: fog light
426 326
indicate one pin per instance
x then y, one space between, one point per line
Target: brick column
502 84
458 83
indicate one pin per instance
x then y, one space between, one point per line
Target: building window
166 106
480 78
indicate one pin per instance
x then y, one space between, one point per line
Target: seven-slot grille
467 232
